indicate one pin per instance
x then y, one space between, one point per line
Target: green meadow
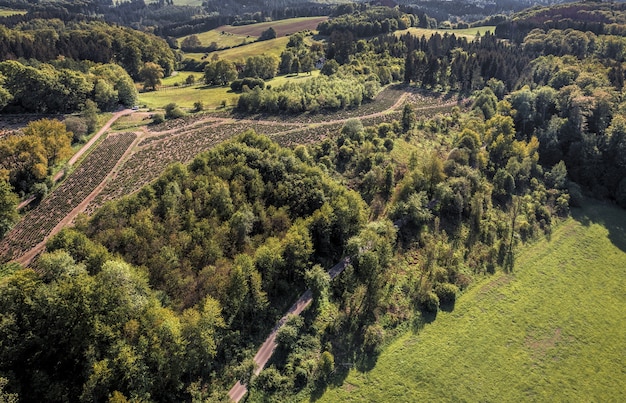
554 329
273 47
211 97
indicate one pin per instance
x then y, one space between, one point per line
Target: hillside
552 329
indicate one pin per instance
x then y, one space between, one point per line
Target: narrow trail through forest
239 390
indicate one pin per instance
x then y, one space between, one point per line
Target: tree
8 208
268 34
151 74
54 137
221 72
318 281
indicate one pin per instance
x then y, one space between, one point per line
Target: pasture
552 330
211 97
228 35
273 47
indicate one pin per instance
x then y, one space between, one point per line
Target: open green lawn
7 12
210 96
553 330
223 40
469 33
273 47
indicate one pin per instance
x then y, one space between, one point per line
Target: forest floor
552 329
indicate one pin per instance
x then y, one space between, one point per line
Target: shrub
158 118
430 302
172 111
446 292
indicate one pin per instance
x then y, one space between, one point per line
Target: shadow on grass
612 217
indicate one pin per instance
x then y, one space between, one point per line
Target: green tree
54 137
8 208
151 74
221 72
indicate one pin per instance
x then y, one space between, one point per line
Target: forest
166 293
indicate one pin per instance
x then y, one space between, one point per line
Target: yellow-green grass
469 33
211 97
552 330
229 35
7 12
273 47
227 39
180 76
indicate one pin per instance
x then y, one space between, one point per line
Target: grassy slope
273 47
210 96
554 329
235 35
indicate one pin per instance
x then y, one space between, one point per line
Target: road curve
267 348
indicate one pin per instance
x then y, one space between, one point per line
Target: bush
198 106
430 302
446 292
78 127
172 111
158 118
373 338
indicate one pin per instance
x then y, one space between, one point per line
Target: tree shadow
447 306
612 217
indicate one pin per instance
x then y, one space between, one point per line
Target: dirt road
91 142
267 348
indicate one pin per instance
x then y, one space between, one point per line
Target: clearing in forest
553 329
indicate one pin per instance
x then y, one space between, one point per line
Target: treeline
574 108
216 249
369 21
600 18
315 95
43 88
26 159
46 40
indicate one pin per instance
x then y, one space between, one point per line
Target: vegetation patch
469 33
551 328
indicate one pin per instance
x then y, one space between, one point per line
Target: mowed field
229 35
211 97
469 33
552 330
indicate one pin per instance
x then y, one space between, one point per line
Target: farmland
228 35
550 330
272 47
40 222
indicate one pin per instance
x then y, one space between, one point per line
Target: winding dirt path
266 351
82 151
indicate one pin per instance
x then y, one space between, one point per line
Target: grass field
469 33
228 35
211 96
553 330
7 12
273 47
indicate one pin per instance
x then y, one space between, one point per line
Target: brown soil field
282 27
